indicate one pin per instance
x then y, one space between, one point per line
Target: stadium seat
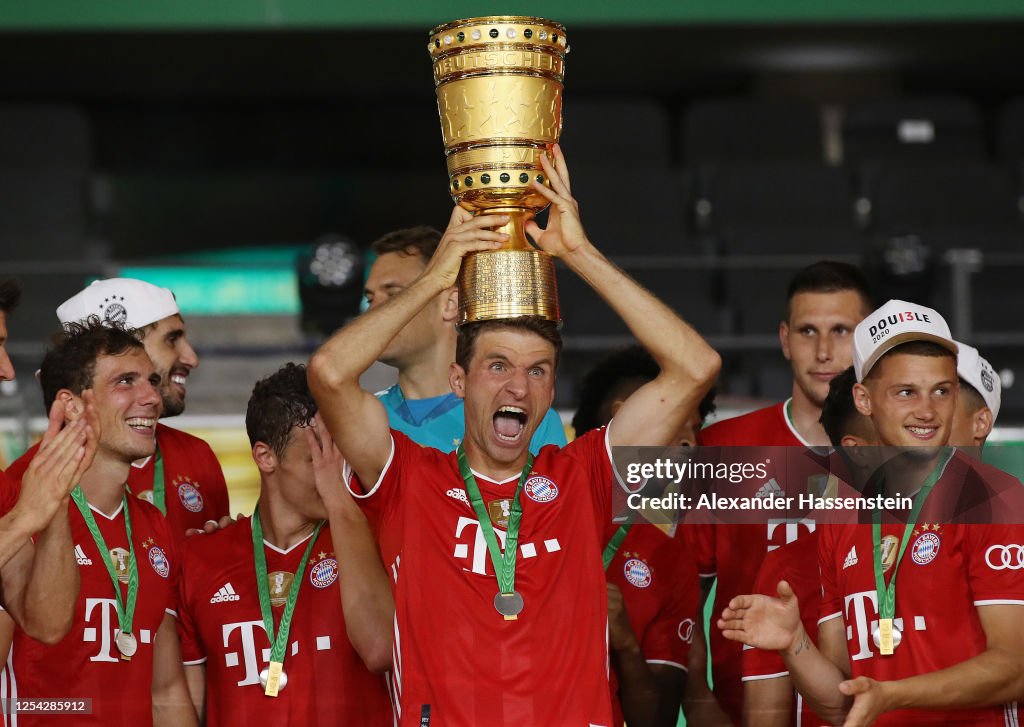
741 129
616 130
913 127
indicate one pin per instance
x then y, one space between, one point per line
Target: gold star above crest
321 555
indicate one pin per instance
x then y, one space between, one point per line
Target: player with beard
122 651
826 301
421 405
231 632
183 478
933 641
483 637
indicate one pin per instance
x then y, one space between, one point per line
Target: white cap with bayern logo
894 323
126 302
978 372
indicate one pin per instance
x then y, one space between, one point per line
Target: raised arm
654 413
356 420
40 581
366 598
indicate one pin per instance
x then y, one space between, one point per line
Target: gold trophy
499 97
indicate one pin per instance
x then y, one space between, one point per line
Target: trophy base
507 284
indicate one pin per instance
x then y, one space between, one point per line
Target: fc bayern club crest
925 548
638 573
158 560
190 497
540 489
324 573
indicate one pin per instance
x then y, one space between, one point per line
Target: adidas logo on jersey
80 556
769 490
458 495
851 558
225 594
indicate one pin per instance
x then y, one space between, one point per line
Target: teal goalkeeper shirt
439 421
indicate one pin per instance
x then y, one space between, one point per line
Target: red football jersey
660 588
457 661
194 487
221 625
948 572
797 564
768 427
8 494
734 553
86 663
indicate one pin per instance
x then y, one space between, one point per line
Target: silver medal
126 644
876 636
508 604
265 675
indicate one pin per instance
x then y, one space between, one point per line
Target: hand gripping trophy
499 97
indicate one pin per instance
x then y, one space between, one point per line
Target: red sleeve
216 486
8 494
701 539
379 499
192 651
668 639
995 558
831 598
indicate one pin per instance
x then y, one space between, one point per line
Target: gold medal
273 679
884 638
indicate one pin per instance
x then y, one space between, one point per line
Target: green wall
295 14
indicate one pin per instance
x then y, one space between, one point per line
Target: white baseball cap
894 323
127 302
978 372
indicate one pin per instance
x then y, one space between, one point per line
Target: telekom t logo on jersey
245 643
784 531
101 626
472 546
862 617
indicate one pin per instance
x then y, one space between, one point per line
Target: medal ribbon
504 564
158 482
613 545
887 594
278 641
125 610
159 498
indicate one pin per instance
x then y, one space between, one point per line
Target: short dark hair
465 343
421 240
914 348
624 370
10 295
839 414
70 362
829 276
279 403
971 396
